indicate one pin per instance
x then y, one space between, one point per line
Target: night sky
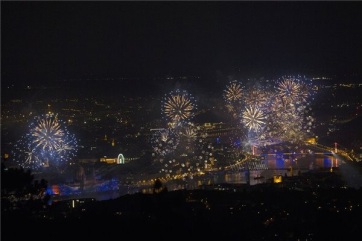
55 40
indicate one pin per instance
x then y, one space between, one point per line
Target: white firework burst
253 118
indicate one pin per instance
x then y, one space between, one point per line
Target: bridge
331 155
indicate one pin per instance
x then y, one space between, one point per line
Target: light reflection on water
255 177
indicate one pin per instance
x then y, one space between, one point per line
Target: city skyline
201 119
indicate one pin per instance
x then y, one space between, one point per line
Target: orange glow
278 179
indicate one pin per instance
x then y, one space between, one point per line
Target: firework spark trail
32 159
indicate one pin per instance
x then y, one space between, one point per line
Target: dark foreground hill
266 212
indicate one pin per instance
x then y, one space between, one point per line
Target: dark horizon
48 41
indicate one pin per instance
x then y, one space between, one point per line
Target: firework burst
253 118
178 107
185 152
47 144
234 92
293 91
233 95
164 142
257 97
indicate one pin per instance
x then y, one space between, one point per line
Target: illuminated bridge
317 156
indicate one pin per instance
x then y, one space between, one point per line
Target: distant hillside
348 134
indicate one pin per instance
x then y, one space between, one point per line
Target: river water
111 189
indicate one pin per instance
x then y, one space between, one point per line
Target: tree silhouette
15 180
18 185
158 187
